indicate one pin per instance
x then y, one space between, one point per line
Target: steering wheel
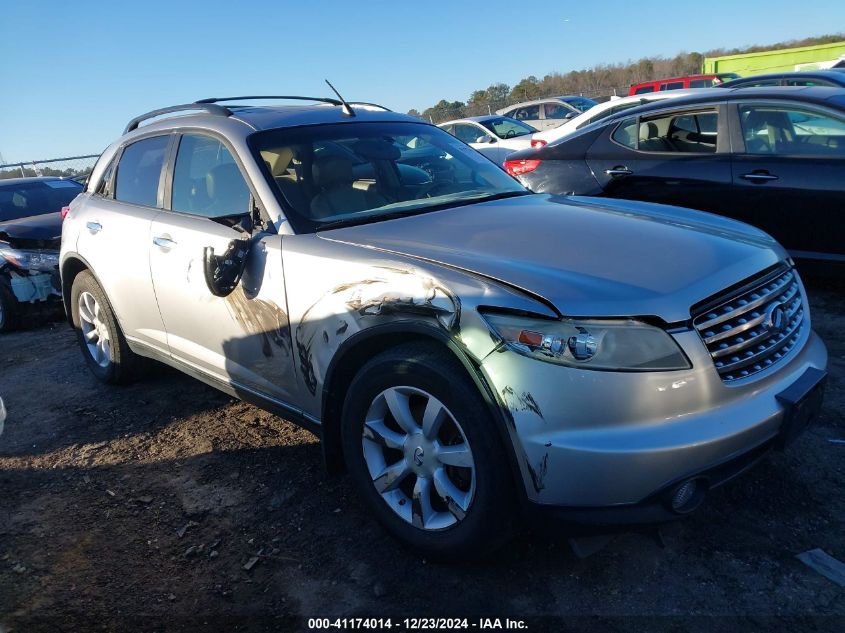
434 189
510 134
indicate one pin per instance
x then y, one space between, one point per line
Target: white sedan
494 136
609 108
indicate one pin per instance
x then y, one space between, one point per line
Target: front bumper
600 441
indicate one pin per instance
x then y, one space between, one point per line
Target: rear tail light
519 167
65 211
538 142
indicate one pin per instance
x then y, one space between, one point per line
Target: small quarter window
626 133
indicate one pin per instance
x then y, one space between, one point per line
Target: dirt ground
166 505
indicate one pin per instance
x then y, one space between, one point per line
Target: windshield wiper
392 215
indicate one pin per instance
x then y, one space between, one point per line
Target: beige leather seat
338 195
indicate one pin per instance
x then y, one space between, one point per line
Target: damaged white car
467 351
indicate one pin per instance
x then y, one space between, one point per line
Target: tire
100 338
471 500
8 309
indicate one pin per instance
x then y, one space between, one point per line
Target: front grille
755 326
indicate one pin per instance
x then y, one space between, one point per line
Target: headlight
614 345
45 261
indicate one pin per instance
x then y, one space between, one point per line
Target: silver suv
466 350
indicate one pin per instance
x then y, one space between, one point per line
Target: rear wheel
424 454
102 342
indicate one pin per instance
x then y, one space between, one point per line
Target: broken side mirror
223 272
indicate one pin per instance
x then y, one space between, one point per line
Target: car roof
262 117
811 94
476 119
821 72
15 182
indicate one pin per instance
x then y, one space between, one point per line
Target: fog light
687 496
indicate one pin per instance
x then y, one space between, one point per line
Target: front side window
701 83
353 173
527 113
206 179
771 129
467 133
556 111
508 128
139 171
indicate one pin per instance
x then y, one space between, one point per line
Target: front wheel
425 455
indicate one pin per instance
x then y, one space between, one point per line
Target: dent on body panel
349 307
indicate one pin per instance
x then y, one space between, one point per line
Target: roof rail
292 97
367 103
209 107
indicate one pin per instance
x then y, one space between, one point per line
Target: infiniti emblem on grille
776 318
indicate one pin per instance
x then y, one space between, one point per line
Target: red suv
679 83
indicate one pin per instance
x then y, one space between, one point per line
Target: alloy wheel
419 458
95 332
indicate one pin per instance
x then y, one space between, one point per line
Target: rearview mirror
485 138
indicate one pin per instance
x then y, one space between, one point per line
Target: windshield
36 198
350 173
581 103
505 127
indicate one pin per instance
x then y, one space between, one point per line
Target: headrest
652 130
332 170
278 160
376 149
224 179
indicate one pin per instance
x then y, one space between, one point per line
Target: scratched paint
521 402
263 319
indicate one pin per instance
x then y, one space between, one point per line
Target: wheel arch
358 349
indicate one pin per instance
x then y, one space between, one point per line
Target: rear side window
688 133
643 90
672 85
206 180
139 171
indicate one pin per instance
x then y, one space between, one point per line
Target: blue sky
73 73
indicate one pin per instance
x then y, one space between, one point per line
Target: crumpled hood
45 229
586 256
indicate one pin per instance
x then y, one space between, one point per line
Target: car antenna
347 109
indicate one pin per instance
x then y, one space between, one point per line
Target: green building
782 60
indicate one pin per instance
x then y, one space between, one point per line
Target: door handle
163 242
759 176
619 170
94 227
